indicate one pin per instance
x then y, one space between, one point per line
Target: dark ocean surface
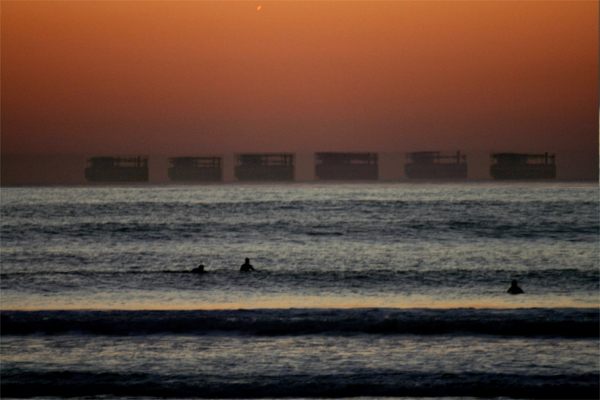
360 290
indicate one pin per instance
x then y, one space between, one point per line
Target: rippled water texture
361 290
314 245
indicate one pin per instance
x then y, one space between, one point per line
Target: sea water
366 289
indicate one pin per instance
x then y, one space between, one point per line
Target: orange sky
201 77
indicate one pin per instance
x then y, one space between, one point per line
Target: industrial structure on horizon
436 165
346 166
117 169
265 167
195 169
523 166
328 166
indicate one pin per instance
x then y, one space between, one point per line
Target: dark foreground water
361 290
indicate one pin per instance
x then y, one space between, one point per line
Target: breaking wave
566 322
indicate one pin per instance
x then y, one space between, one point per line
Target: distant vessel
265 167
347 166
117 169
523 166
195 169
436 165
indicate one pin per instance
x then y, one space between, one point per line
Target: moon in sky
258 8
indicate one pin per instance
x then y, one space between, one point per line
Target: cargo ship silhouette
346 166
117 169
523 166
436 165
265 167
195 169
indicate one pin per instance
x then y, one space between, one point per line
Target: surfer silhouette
246 266
514 288
199 269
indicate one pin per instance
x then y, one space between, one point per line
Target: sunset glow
185 77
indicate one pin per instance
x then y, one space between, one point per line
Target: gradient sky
201 77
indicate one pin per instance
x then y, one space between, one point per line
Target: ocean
387 289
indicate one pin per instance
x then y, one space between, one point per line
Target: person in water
514 288
199 269
246 266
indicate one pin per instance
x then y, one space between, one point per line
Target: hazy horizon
19 170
